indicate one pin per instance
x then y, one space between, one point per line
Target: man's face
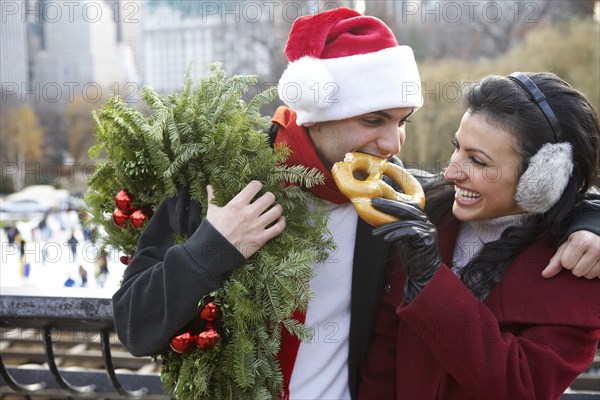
380 133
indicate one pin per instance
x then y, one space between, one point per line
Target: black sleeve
586 216
426 179
165 281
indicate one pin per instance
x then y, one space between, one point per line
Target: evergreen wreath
207 134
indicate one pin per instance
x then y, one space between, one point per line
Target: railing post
110 369
16 386
54 368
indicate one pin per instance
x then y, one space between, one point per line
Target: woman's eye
478 162
406 121
455 143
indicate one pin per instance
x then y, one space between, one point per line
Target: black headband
539 98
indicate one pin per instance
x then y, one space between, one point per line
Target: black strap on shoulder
273 134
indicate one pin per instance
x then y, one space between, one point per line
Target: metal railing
32 317
77 324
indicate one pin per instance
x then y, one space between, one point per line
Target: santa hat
343 64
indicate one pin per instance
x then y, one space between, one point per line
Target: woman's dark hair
503 103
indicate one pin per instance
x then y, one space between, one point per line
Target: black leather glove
417 242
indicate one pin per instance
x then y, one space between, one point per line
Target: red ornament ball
138 219
184 343
120 217
124 201
209 312
207 340
125 260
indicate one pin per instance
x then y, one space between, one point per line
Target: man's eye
372 121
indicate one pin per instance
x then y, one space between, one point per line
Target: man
349 87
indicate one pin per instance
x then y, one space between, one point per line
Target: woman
470 316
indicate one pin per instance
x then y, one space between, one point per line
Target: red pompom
120 218
124 201
209 312
138 219
207 340
125 260
183 343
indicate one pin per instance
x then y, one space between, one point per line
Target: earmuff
545 179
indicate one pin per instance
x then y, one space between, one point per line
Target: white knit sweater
321 367
473 235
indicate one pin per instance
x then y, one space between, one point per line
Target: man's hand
580 254
247 224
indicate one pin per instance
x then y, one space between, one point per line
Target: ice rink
49 261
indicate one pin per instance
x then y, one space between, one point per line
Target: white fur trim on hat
545 179
337 88
301 83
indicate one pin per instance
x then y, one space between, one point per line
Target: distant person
44 229
20 242
101 269
83 276
11 233
73 243
70 282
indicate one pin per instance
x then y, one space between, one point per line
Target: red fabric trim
287 354
302 152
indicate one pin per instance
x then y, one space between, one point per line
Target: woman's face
484 168
380 133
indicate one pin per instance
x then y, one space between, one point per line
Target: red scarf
302 153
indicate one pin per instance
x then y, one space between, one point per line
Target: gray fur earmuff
546 178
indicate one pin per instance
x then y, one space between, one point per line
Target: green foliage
208 135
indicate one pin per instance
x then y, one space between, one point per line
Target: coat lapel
369 263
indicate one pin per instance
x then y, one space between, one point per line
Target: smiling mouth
466 194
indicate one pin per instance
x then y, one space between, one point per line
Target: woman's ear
545 179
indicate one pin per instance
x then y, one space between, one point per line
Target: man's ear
313 128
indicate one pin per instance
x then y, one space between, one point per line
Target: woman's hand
417 242
245 223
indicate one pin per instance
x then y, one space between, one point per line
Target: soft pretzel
361 192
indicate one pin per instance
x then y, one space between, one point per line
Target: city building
14 58
173 40
81 54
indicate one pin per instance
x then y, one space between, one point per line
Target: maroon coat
529 339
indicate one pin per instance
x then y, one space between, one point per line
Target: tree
470 29
79 127
21 136
51 117
428 137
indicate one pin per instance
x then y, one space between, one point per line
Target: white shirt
321 367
